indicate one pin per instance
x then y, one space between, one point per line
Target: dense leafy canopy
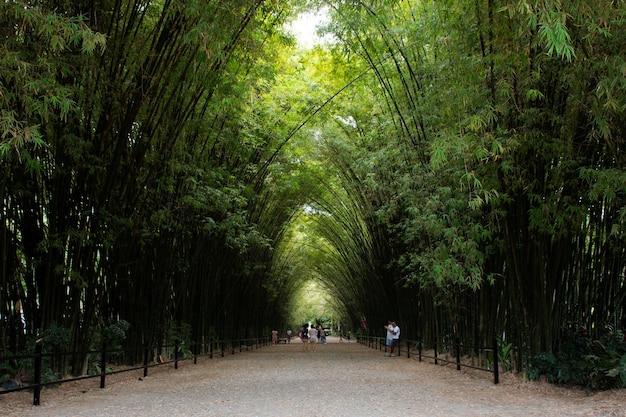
458 166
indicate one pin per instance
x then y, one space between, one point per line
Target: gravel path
340 379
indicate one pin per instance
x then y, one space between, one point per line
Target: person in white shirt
395 337
389 337
313 338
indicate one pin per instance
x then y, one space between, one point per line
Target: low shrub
580 361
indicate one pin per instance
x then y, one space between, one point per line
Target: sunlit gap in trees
349 121
312 210
313 303
305 28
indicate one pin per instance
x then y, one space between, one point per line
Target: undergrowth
595 364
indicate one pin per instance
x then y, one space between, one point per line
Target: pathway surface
340 379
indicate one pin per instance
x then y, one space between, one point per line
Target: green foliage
544 363
113 334
24 368
184 351
505 355
36 43
618 370
180 332
116 332
94 367
555 36
453 156
592 364
9 368
55 337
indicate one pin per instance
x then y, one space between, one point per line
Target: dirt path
338 380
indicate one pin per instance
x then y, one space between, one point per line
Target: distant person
388 338
322 336
313 338
304 338
395 338
274 337
288 335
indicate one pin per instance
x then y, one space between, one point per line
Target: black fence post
37 390
176 354
458 354
496 371
103 364
145 362
408 349
195 353
436 360
419 350
223 347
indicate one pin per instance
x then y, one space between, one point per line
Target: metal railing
416 348
210 349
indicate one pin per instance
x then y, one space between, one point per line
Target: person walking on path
304 337
395 338
274 337
313 339
288 335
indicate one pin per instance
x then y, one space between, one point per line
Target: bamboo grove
182 166
489 168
